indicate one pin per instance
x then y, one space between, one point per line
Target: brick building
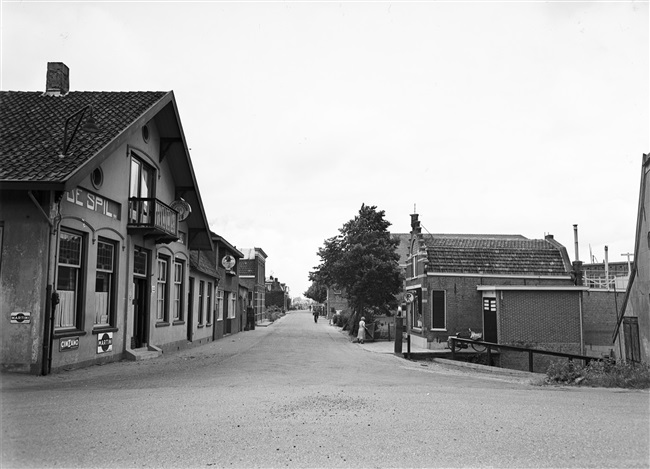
230 311
252 275
516 290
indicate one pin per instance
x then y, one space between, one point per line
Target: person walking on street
315 316
361 335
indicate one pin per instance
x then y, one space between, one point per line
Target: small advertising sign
69 343
21 317
104 342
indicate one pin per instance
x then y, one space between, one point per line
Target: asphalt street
299 394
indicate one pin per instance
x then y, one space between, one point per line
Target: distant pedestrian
361 335
315 316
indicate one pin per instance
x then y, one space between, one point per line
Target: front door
190 311
490 320
140 297
140 310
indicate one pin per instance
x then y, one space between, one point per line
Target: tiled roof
493 254
247 267
32 128
204 262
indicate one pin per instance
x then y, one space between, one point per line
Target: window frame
208 305
233 305
178 291
201 305
80 281
433 310
162 297
219 306
112 280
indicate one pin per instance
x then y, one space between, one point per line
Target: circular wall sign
183 208
409 297
228 262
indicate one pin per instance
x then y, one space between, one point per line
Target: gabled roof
203 262
493 254
220 239
32 127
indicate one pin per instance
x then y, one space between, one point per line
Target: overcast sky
487 117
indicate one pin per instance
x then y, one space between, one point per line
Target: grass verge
606 374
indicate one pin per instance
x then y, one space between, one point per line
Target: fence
531 351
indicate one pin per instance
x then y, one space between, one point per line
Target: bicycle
477 336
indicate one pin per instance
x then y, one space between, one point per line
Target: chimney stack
58 79
575 239
415 223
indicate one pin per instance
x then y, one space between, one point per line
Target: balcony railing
154 217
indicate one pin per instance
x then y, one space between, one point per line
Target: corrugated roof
493 254
32 128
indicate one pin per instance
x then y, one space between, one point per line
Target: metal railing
531 351
153 214
606 282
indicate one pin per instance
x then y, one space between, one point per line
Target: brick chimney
58 79
415 223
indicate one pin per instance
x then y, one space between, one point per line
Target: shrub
601 373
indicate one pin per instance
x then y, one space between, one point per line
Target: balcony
153 219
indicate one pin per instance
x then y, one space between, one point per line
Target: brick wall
599 318
465 302
545 320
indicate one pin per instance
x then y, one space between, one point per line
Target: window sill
67 333
176 323
162 324
208 324
101 330
438 330
199 326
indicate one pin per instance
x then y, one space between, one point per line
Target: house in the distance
252 275
230 304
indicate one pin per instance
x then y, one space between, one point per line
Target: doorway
190 311
140 316
490 320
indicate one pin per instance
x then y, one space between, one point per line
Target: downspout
582 338
48 317
607 267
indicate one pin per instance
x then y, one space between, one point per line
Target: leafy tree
316 292
362 260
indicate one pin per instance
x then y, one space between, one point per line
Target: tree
362 260
316 292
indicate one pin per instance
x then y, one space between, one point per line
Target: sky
482 117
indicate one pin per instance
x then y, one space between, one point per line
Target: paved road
299 394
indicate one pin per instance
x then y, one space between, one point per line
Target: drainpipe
582 339
606 267
48 316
